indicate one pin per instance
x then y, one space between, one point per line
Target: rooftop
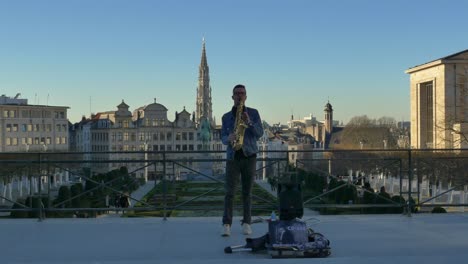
422 238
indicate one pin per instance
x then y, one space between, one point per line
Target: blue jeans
243 168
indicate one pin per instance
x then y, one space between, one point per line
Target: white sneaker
246 229
226 230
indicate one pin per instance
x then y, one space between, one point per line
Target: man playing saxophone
241 128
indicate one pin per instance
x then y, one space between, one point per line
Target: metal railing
423 178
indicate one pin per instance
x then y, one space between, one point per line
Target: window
427 115
126 136
48 141
184 136
24 128
169 136
178 136
15 127
155 136
8 141
8 127
190 135
9 113
162 136
36 127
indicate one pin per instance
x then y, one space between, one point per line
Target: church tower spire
204 105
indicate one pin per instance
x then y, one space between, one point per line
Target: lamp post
146 161
264 141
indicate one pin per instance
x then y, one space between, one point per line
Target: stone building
321 131
439 102
25 127
127 137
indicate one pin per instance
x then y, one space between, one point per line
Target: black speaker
290 201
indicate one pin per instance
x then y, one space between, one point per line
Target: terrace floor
422 238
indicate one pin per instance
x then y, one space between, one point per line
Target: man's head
239 94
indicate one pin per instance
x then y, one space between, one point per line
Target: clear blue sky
291 55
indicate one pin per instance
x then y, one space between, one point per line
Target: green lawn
182 200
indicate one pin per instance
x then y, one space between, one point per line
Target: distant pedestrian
125 200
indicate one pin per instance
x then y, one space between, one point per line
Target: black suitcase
290 201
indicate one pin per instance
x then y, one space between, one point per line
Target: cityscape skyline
293 57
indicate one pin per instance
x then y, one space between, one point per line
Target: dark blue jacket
251 135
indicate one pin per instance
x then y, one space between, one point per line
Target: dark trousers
243 168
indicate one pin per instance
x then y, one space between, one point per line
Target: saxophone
239 128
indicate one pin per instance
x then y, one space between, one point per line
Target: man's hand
231 137
246 118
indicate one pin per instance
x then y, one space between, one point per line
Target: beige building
439 102
320 130
25 127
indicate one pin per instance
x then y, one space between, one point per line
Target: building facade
25 127
321 131
439 102
125 137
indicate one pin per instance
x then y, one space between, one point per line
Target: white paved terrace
360 239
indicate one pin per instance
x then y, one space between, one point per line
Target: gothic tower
204 106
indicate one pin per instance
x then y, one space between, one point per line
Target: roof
437 61
155 107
